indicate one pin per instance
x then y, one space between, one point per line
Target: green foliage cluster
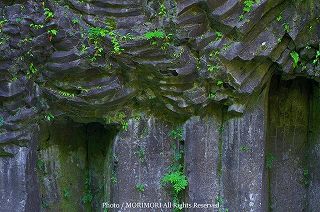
316 61
117 118
295 56
32 70
244 149
36 26
98 34
176 178
66 94
177 134
162 10
140 187
2 23
49 117
286 27
219 35
52 32
48 14
247 7
156 35
212 95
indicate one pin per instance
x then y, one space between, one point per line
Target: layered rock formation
92 93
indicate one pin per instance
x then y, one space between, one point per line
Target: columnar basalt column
286 156
142 156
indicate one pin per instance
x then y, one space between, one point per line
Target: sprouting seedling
219 35
140 187
295 56
49 117
48 14
219 82
163 10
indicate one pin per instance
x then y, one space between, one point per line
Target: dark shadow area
74 165
288 159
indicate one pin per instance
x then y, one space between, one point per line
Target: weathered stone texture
243 159
142 155
202 137
212 53
287 144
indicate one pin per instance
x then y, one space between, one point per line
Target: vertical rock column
202 137
287 141
142 156
18 144
243 159
314 151
225 159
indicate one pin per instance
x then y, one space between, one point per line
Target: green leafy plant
213 67
244 149
2 22
248 5
212 95
177 133
140 187
66 193
219 35
177 180
279 18
163 10
286 27
219 82
97 34
66 94
317 59
36 26
32 70
48 14
52 32
154 34
117 118
75 21
295 56
49 117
